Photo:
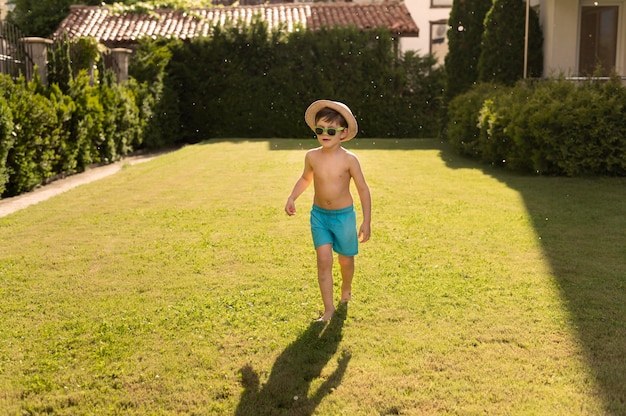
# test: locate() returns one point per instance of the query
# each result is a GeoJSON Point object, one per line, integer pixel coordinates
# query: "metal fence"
{"type": "Point", "coordinates": [15, 55]}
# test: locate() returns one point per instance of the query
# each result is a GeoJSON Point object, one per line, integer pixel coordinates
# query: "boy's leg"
{"type": "Point", "coordinates": [347, 273]}
{"type": "Point", "coordinates": [325, 278]}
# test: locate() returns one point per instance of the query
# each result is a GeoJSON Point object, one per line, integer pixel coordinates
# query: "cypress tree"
{"type": "Point", "coordinates": [465, 30]}
{"type": "Point", "coordinates": [502, 55]}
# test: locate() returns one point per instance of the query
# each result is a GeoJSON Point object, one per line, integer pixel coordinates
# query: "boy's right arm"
{"type": "Point", "coordinates": [300, 186]}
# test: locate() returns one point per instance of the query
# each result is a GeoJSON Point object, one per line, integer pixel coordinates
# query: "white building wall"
{"type": "Point", "coordinates": [428, 16]}
{"type": "Point", "coordinates": [560, 21]}
{"type": "Point", "coordinates": [424, 14]}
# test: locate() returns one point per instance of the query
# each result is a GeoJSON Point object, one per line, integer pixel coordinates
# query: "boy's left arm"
{"type": "Point", "coordinates": [366, 200]}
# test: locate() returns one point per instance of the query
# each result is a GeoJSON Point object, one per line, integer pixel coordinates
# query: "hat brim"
{"type": "Point", "coordinates": [341, 108]}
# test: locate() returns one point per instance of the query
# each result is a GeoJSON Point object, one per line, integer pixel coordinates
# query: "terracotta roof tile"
{"type": "Point", "coordinates": [123, 29]}
{"type": "Point", "coordinates": [391, 15]}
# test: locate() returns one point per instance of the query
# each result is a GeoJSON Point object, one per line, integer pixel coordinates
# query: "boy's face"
{"type": "Point", "coordinates": [325, 139]}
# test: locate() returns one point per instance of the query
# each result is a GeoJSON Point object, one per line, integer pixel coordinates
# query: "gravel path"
{"type": "Point", "coordinates": [16, 203]}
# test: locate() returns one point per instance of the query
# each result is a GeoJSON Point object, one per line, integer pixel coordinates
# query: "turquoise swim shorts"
{"type": "Point", "coordinates": [336, 227]}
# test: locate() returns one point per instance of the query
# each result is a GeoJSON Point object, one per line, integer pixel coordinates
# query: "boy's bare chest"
{"type": "Point", "coordinates": [330, 170]}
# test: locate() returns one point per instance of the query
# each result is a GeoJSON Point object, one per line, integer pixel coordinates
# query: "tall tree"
{"type": "Point", "coordinates": [465, 30]}
{"type": "Point", "coordinates": [502, 55]}
{"type": "Point", "coordinates": [41, 17]}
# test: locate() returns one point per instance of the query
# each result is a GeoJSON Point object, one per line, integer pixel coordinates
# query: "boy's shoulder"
{"type": "Point", "coordinates": [314, 150]}
{"type": "Point", "coordinates": [340, 150]}
{"type": "Point", "coordinates": [318, 158]}
{"type": "Point", "coordinates": [348, 152]}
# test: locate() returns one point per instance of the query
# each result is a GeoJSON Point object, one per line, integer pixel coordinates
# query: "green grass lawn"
{"type": "Point", "coordinates": [179, 286]}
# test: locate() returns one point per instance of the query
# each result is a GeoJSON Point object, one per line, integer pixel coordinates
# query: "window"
{"type": "Point", "coordinates": [439, 40]}
{"type": "Point", "coordinates": [598, 40]}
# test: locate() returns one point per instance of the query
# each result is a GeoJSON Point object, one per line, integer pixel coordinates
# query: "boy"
{"type": "Point", "coordinates": [333, 218]}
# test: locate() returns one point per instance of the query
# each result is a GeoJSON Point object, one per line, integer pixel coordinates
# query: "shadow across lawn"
{"type": "Point", "coordinates": [287, 388]}
{"type": "Point", "coordinates": [582, 226]}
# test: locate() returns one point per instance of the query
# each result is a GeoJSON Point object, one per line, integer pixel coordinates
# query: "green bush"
{"type": "Point", "coordinates": [67, 58]}
{"type": "Point", "coordinates": [101, 118]}
{"type": "Point", "coordinates": [580, 130]}
{"type": "Point", "coordinates": [7, 139]}
{"type": "Point", "coordinates": [45, 133]}
{"type": "Point", "coordinates": [121, 128]}
{"type": "Point", "coordinates": [462, 130]}
{"type": "Point", "coordinates": [78, 120]}
{"type": "Point", "coordinates": [157, 102]}
{"type": "Point", "coordinates": [86, 128]}
{"type": "Point", "coordinates": [551, 128]}
{"type": "Point", "coordinates": [33, 156]}
{"type": "Point", "coordinates": [65, 108]}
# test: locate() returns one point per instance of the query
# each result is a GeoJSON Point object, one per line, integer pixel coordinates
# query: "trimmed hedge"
{"type": "Point", "coordinates": [32, 155]}
{"type": "Point", "coordinates": [248, 82]}
{"type": "Point", "coordinates": [79, 120]}
{"type": "Point", "coordinates": [45, 133]}
{"type": "Point", "coordinates": [552, 128]}
{"type": "Point", "coordinates": [7, 139]}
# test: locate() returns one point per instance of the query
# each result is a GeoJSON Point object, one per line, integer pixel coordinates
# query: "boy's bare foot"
{"type": "Point", "coordinates": [326, 317]}
{"type": "Point", "coordinates": [346, 297]}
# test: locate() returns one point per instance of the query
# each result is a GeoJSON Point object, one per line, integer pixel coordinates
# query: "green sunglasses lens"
{"type": "Point", "coordinates": [331, 131]}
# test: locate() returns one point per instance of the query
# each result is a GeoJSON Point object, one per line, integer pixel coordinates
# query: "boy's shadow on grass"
{"type": "Point", "coordinates": [287, 388]}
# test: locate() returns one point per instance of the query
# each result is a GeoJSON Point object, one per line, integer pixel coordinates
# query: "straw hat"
{"type": "Point", "coordinates": [341, 108]}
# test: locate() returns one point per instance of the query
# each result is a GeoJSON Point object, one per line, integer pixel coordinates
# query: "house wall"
{"type": "Point", "coordinates": [425, 12]}
{"type": "Point", "coordinates": [560, 21]}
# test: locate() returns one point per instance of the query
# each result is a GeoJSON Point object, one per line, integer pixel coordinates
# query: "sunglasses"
{"type": "Point", "coordinates": [331, 131]}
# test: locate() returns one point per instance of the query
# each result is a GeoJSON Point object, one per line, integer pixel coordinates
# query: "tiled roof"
{"type": "Point", "coordinates": [123, 29]}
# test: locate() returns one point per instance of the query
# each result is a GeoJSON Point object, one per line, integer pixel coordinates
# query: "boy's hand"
{"type": "Point", "coordinates": [290, 208]}
{"type": "Point", "coordinates": [364, 232]}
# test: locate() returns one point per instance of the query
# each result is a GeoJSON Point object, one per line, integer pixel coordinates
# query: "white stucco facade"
{"type": "Point", "coordinates": [561, 24]}
{"type": "Point", "coordinates": [431, 18]}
